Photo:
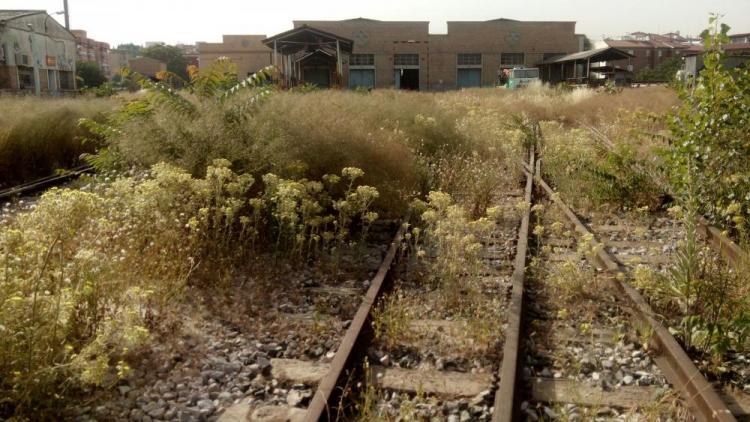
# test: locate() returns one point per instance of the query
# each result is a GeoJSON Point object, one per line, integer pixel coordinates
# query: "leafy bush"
{"type": "Point", "coordinates": [84, 269]}
{"type": "Point", "coordinates": [189, 128]}
{"type": "Point", "coordinates": [86, 274]}
{"type": "Point", "coordinates": [89, 74]}
{"type": "Point", "coordinates": [664, 72]}
{"type": "Point", "coordinates": [709, 137]}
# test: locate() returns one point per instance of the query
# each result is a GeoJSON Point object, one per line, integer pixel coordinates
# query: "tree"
{"type": "Point", "coordinates": [587, 44]}
{"type": "Point", "coordinates": [132, 49]}
{"type": "Point", "coordinates": [710, 140]}
{"type": "Point", "coordinates": [89, 74]}
{"type": "Point", "coordinates": [171, 55]}
{"type": "Point", "coordinates": [664, 72]}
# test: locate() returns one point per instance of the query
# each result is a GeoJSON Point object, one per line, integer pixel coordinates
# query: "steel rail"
{"type": "Point", "coordinates": [44, 181]}
{"type": "Point", "coordinates": [731, 252]}
{"type": "Point", "coordinates": [353, 344]}
{"type": "Point", "coordinates": [506, 400]}
{"type": "Point", "coordinates": [677, 366]}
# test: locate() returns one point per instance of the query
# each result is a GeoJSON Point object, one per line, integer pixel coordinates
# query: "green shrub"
{"type": "Point", "coordinates": [710, 138]}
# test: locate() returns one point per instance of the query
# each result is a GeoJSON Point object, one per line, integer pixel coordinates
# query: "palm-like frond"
{"type": "Point", "coordinates": [259, 79]}
{"type": "Point", "coordinates": [217, 79]}
{"type": "Point", "coordinates": [168, 97]}
{"type": "Point", "coordinates": [161, 94]}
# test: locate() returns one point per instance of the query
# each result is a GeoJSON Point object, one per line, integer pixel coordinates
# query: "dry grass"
{"type": "Point", "coordinates": [572, 107]}
{"type": "Point", "coordinates": [39, 136]}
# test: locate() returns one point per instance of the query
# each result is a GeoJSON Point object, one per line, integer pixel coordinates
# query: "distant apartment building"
{"type": "Point", "coordinates": [90, 50]}
{"type": "Point", "coordinates": [649, 50]}
{"type": "Point", "coordinates": [402, 54]}
{"type": "Point", "coordinates": [739, 38]}
{"type": "Point", "coordinates": [37, 54]}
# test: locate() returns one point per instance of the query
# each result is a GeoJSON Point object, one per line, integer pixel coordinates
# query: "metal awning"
{"type": "Point", "coordinates": [597, 55]}
{"type": "Point", "coordinates": [307, 38]}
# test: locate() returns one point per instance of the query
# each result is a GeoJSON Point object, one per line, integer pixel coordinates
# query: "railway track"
{"type": "Point", "coordinates": [638, 368]}
{"type": "Point", "coordinates": [615, 258]}
{"type": "Point", "coordinates": [43, 183]}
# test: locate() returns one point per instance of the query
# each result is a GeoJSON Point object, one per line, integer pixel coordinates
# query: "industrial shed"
{"type": "Point", "coordinates": [577, 68]}
{"type": "Point", "coordinates": [309, 55]}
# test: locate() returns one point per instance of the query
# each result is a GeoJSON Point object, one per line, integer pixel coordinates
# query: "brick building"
{"type": "Point", "coordinates": [648, 50]}
{"type": "Point", "coordinates": [147, 66]}
{"type": "Point", "coordinates": [90, 50]}
{"type": "Point", "coordinates": [245, 51]}
{"type": "Point", "coordinates": [37, 54]}
{"type": "Point", "coordinates": [402, 54]}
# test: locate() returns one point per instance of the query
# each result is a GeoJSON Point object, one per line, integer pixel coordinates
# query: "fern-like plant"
{"type": "Point", "coordinates": [188, 127]}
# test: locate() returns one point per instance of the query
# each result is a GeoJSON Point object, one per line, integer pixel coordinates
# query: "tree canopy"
{"type": "Point", "coordinates": [89, 74]}
{"type": "Point", "coordinates": [131, 48]}
{"type": "Point", "coordinates": [664, 72]}
{"type": "Point", "coordinates": [171, 55]}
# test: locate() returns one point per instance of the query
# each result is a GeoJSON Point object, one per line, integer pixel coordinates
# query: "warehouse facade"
{"type": "Point", "coordinates": [399, 54]}
{"type": "Point", "coordinates": [37, 54]}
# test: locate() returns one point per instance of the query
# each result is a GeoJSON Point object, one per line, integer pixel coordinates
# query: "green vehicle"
{"type": "Point", "coordinates": [520, 77]}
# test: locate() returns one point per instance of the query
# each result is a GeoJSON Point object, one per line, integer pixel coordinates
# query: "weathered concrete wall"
{"type": "Point", "coordinates": [37, 41]}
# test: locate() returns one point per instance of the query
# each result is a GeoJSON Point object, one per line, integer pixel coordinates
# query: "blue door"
{"type": "Point", "coordinates": [362, 78]}
{"type": "Point", "coordinates": [469, 78]}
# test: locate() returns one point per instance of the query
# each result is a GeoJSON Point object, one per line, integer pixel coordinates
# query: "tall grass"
{"type": "Point", "coordinates": [41, 135]}
{"type": "Point", "coordinates": [395, 137]}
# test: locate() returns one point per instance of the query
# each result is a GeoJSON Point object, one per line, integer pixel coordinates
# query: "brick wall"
{"type": "Point", "coordinates": [437, 53]}
{"type": "Point", "coordinates": [245, 51]}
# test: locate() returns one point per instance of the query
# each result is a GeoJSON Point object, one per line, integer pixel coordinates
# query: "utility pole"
{"type": "Point", "coordinates": [67, 15]}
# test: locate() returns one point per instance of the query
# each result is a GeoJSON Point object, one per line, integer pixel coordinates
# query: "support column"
{"type": "Point", "coordinates": [339, 69]}
{"type": "Point", "coordinates": [37, 82]}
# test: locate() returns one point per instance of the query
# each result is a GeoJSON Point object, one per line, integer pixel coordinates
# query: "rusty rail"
{"type": "Point", "coordinates": [506, 401]}
{"type": "Point", "coordinates": [679, 370]}
{"type": "Point", "coordinates": [353, 344]}
{"type": "Point", "coordinates": [38, 184]}
{"type": "Point", "coordinates": [731, 252]}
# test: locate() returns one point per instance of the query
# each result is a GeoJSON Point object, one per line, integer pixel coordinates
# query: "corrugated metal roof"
{"type": "Point", "coordinates": [655, 42]}
{"type": "Point", "coordinates": [628, 44]}
{"type": "Point", "coordinates": [739, 47]}
{"type": "Point", "coordinates": [6, 15]}
{"type": "Point", "coordinates": [598, 54]}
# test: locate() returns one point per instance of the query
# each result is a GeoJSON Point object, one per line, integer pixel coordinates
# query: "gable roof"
{"type": "Point", "coordinates": [733, 49]}
{"type": "Point", "coordinates": [301, 38]}
{"type": "Point", "coordinates": [595, 55]}
{"type": "Point", "coordinates": [9, 15]}
{"type": "Point", "coordinates": [655, 42]}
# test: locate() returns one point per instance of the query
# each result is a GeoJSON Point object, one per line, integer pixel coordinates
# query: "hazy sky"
{"type": "Point", "coordinates": [188, 21]}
